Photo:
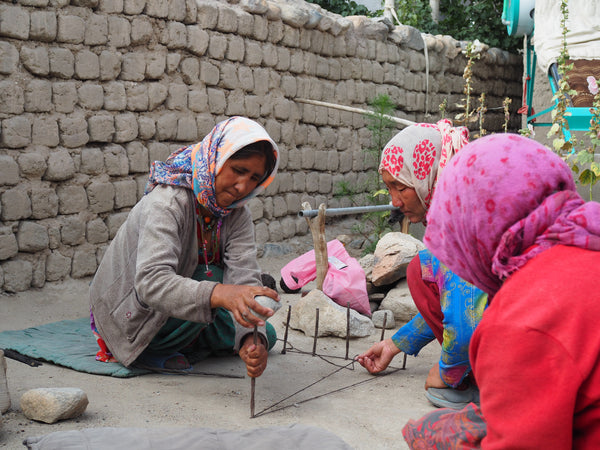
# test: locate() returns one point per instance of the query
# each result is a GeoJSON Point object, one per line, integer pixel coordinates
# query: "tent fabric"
{"type": "Point", "coordinates": [296, 436]}
{"type": "Point", "coordinates": [583, 25]}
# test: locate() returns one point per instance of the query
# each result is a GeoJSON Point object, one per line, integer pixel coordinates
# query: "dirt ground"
{"type": "Point", "coordinates": [367, 412]}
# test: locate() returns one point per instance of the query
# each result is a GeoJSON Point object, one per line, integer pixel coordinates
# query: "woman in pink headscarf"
{"type": "Point", "coordinates": [449, 307]}
{"type": "Point", "coordinates": [507, 217]}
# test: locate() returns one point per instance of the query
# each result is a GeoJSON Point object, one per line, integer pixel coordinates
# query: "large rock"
{"type": "Point", "coordinates": [392, 255]}
{"type": "Point", "coordinates": [400, 302]}
{"type": "Point", "coordinates": [332, 317]}
{"type": "Point", "coordinates": [53, 404]}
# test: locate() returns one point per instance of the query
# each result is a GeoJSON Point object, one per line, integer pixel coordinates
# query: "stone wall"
{"type": "Point", "coordinates": [92, 91]}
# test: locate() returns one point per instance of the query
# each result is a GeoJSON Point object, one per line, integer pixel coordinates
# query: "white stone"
{"type": "Point", "coordinates": [50, 405]}
{"type": "Point", "coordinates": [393, 253]}
{"type": "Point", "coordinates": [400, 302]}
{"type": "Point", "coordinates": [267, 302]}
{"type": "Point", "coordinates": [332, 317]}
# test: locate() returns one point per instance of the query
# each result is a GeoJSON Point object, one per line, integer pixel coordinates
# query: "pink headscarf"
{"type": "Point", "coordinates": [502, 200]}
{"type": "Point", "coordinates": [417, 155]}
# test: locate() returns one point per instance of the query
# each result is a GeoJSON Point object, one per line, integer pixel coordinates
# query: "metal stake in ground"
{"type": "Point", "coordinates": [347, 328]}
{"type": "Point", "coordinates": [287, 327]}
{"type": "Point", "coordinates": [316, 332]}
{"type": "Point", "coordinates": [253, 379]}
{"type": "Point", "coordinates": [384, 324]}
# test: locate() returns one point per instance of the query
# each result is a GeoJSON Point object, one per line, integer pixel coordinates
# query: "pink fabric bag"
{"type": "Point", "coordinates": [345, 280]}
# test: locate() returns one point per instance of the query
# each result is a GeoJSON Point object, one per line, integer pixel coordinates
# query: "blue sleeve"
{"type": "Point", "coordinates": [413, 336]}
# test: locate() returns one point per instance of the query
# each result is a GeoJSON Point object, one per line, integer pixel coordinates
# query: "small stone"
{"type": "Point", "coordinates": [50, 405]}
{"type": "Point", "coordinates": [378, 317]}
{"type": "Point", "coordinates": [376, 297]}
{"type": "Point", "coordinates": [267, 302]}
{"type": "Point", "coordinates": [400, 302]}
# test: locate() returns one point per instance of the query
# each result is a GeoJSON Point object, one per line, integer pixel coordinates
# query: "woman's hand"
{"type": "Point", "coordinates": [240, 299]}
{"type": "Point", "coordinates": [434, 379]}
{"type": "Point", "coordinates": [255, 356]}
{"type": "Point", "coordinates": [379, 356]}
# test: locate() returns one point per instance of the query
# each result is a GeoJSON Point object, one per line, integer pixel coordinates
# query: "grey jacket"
{"type": "Point", "coordinates": [144, 276]}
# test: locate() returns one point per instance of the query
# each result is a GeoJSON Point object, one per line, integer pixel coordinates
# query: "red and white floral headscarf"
{"type": "Point", "coordinates": [417, 155]}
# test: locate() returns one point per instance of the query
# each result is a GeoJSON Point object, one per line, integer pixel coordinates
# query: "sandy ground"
{"type": "Point", "coordinates": [369, 415]}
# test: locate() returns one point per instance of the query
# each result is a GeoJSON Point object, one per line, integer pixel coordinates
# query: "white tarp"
{"type": "Point", "coordinates": [583, 25]}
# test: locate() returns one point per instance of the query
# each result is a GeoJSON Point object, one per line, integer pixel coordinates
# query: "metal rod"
{"type": "Point", "coordinates": [346, 211]}
{"type": "Point", "coordinates": [12, 354]}
{"type": "Point", "coordinates": [316, 333]}
{"type": "Point", "coordinates": [347, 328]}
{"type": "Point", "coordinates": [384, 324]}
{"type": "Point", "coordinates": [395, 119]}
{"type": "Point", "coordinates": [253, 379]}
{"type": "Point", "coordinates": [287, 327]}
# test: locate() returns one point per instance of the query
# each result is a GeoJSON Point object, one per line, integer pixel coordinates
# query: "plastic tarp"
{"type": "Point", "coordinates": [583, 25]}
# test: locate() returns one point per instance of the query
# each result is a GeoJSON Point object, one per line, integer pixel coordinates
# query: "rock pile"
{"type": "Point", "coordinates": [385, 273]}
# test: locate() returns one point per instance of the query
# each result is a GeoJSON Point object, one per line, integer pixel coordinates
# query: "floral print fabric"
{"type": "Point", "coordinates": [196, 166]}
{"type": "Point", "coordinates": [462, 306]}
{"type": "Point", "coordinates": [446, 429]}
{"type": "Point", "coordinates": [502, 200]}
{"type": "Point", "coordinates": [416, 155]}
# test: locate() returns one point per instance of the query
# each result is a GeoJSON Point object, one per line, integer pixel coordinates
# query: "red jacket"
{"type": "Point", "coordinates": [536, 355]}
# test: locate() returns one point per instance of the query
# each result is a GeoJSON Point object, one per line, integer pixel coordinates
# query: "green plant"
{"type": "Point", "coordinates": [373, 224]}
{"type": "Point", "coordinates": [591, 174]}
{"type": "Point", "coordinates": [481, 110]}
{"type": "Point", "coordinates": [585, 169]}
{"type": "Point", "coordinates": [344, 7]}
{"type": "Point", "coordinates": [443, 108]}
{"type": "Point", "coordinates": [559, 114]}
{"type": "Point", "coordinates": [463, 20]}
{"type": "Point", "coordinates": [506, 107]}
{"type": "Point", "coordinates": [472, 53]}
{"type": "Point", "coordinates": [416, 13]}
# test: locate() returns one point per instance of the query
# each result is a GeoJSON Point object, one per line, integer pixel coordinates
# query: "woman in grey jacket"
{"type": "Point", "coordinates": [178, 281]}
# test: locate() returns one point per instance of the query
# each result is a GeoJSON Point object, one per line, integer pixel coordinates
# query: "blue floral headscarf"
{"type": "Point", "coordinates": [196, 166]}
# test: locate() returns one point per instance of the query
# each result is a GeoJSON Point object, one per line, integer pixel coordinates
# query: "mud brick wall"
{"type": "Point", "coordinates": [93, 91]}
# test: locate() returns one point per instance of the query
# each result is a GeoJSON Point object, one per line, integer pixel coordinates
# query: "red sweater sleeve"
{"type": "Point", "coordinates": [535, 355]}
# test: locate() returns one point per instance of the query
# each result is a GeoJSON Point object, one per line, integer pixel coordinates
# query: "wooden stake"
{"type": "Point", "coordinates": [405, 224]}
{"type": "Point", "coordinates": [317, 229]}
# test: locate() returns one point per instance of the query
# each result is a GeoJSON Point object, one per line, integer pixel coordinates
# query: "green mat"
{"type": "Point", "coordinates": [68, 343]}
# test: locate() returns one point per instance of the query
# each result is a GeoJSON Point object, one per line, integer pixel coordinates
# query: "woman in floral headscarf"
{"type": "Point", "coordinates": [179, 279]}
{"type": "Point", "coordinates": [449, 307]}
{"type": "Point", "coordinates": [507, 217]}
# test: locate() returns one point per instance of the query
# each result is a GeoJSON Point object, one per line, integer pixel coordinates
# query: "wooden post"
{"type": "Point", "coordinates": [317, 229]}
{"type": "Point", "coordinates": [405, 224]}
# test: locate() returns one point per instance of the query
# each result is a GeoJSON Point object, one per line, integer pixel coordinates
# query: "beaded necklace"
{"type": "Point", "coordinates": [209, 237]}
